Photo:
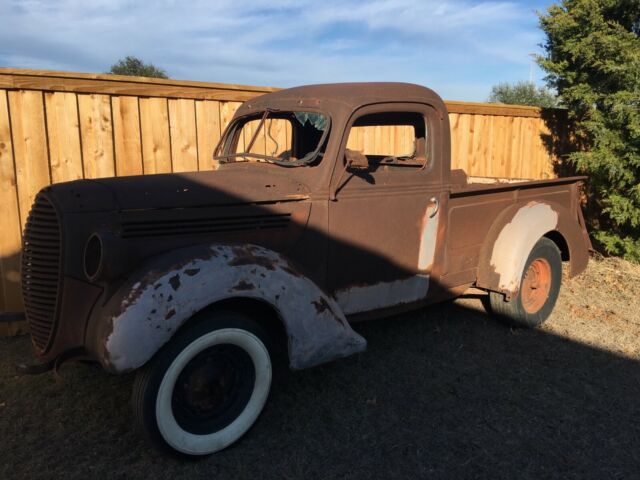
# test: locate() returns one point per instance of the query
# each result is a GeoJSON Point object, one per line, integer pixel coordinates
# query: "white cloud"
{"type": "Point", "coordinates": [459, 47]}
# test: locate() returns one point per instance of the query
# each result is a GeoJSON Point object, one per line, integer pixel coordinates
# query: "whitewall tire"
{"type": "Point", "coordinates": [206, 388]}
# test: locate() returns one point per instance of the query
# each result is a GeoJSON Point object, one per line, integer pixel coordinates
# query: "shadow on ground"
{"type": "Point", "coordinates": [444, 392]}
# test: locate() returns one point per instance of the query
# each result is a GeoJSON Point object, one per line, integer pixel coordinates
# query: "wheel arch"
{"type": "Point", "coordinates": [263, 313]}
{"type": "Point", "coordinates": [514, 233]}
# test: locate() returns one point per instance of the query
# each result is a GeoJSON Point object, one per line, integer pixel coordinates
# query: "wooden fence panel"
{"type": "Point", "coordinates": [97, 135]}
{"type": "Point", "coordinates": [63, 129]}
{"type": "Point", "coordinates": [126, 136]}
{"type": "Point", "coordinates": [10, 237]}
{"type": "Point", "coordinates": [156, 144]}
{"type": "Point", "coordinates": [208, 126]}
{"type": "Point", "coordinates": [59, 126]}
{"type": "Point", "coordinates": [184, 142]}
{"type": "Point", "coordinates": [29, 146]}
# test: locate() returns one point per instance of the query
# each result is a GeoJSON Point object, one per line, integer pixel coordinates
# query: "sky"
{"type": "Point", "coordinates": [460, 48]}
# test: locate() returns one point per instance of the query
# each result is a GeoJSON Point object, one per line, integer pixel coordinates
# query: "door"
{"type": "Point", "coordinates": [383, 219]}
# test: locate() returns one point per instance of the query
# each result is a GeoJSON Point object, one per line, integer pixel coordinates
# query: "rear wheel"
{"type": "Point", "coordinates": [539, 288]}
{"type": "Point", "coordinates": [206, 388]}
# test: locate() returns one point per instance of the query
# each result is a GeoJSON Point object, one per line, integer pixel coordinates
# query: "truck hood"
{"type": "Point", "coordinates": [178, 190]}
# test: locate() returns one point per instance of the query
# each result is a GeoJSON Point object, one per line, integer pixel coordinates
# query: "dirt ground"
{"type": "Point", "coordinates": [445, 392]}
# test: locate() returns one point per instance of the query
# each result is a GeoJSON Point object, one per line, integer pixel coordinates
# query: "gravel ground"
{"type": "Point", "coordinates": [444, 392]}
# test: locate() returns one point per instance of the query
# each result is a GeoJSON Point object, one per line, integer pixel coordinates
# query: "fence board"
{"type": "Point", "coordinates": [97, 135]}
{"type": "Point", "coordinates": [184, 142]}
{"type": "Point", "coordinates": [156, 145]}
{"type": "Point", "coordinates": [29, 146]}
{"type": "Point", "coordinates": [276, 135]}
{"type": "Point", "coordinates": [208, 125]}
{"type": "Point", "coordinates": [10, 237]}
{"type": "Point", "coordinates": [126, 136]}
{"type": "Point", "coordinates": [63, 129]}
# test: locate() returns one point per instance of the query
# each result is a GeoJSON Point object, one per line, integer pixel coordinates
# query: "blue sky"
{"type": "Point", "coordinates": [458, 47]}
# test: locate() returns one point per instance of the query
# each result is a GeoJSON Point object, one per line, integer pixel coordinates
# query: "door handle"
{"type": "Point", "coordinates": [436, 206]}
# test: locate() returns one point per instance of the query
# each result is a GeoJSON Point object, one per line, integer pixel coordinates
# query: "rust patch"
{"type": "Point", "coordinates": [252, 260]}
{"type": "Point", "coordinates": [175, 281]}
{"type": "Point", "coordinates": [192, 271]}
{"type": "Point", "coordinates": [170, 314]}
{"type": "Point", "coordinates": [290, 270]}
{"type": "Point", "coordinates": [321, 305]}
{"type": "Point", "coordinates": [243, 285]}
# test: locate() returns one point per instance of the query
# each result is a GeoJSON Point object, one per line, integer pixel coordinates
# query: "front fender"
{"type": "Point", "coordinates": [152, 305]}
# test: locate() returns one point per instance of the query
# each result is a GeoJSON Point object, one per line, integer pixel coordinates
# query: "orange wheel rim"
{"type": "Point", "coordinates": [536, 285]}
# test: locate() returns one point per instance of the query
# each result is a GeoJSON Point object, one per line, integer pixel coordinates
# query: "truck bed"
{"type": "Point", "coordinates": [463, 185]}
{"type": "Point", "coordinates": [476, 202]}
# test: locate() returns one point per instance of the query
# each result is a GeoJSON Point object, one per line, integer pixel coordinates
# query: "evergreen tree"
{"type": "Point", "coordinates": [592, 58]}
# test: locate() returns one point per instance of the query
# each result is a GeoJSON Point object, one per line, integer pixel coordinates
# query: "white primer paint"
{"type": "Point", "coordinates": [428, 238]}
{"type": "Point", "coordinates": [383, 294]}
{"type": "Point", "coordinates": [154, 309]}
{"type": "Point", "coordinates": [516, 240]}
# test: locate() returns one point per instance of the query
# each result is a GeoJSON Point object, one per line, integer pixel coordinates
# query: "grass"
{"type": "Point", "coordinates": [444, 392]}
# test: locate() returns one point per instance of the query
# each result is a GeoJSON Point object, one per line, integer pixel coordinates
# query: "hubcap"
{"type": "Point", "coordinates": [536, 285]}
{"type": "Point", "coordinates": [213, 389]}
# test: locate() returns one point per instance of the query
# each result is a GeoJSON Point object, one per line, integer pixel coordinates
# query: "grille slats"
{"type": "Point", "coordinates": [41, 260]}
{"type": "Point", "coordinates": [156, 228]}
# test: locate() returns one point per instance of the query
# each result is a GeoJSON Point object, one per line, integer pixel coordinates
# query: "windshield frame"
{"type": "Point", "coordinates": [230, 137]}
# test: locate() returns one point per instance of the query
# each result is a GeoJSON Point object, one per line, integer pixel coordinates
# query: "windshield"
{"type": "Point", "coordinates": [286, 138]}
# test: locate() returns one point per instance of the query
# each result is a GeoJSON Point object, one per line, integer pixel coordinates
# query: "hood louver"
{"type": "Point", "coordinates": [156, 228]}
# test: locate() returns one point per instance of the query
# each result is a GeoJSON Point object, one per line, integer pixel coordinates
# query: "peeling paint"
{"type": "Point", "coordinates": [316, 326]}
{"type": "Point", "coordinates": [175, 281]}
{"type": "Point", "coordinates": [516, 240]}
{"type": "Point", "coordinates": [244, 285]}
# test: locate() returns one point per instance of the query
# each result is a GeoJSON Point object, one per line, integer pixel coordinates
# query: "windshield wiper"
{"type": "Point", "coordinates": [260, 158]}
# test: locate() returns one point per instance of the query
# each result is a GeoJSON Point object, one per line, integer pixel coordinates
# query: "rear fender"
{"type": "Point", "coordinates": [147, 311]}
{"type": "Point", "coordinates": [512, 237]}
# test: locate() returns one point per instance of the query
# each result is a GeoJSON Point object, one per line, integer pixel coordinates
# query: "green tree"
{"type": "Point", "coordinates": [135, 67]}
{"type": "Point", "coordinates": [592, 58]}
{"type": "Point", "coordinates": [523, 93]}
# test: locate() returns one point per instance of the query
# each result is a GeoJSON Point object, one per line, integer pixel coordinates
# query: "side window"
{"type": "Point", "coordinates": [390, 140]}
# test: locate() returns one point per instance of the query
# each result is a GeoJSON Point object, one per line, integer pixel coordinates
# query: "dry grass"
{"type": "Point", "coordinates": [444, 392]}
{"type": "Point", "coordinates": [601, 308]}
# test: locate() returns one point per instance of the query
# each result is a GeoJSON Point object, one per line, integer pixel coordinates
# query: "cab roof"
{"type": "Point", "coordinates": [343, 98]}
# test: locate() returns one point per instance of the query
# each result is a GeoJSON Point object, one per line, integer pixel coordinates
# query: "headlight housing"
{"type": "Point", "coordinates": [93, 256]}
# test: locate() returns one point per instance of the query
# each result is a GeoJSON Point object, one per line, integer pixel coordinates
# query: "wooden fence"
{"type": "Point", "coordinates": [59, 126]}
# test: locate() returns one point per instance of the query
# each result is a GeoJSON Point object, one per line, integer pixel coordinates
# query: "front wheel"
{"type": "Point", "coordinates": [206, 388]}
{"type": "Point", "coordinates": [539, 288]}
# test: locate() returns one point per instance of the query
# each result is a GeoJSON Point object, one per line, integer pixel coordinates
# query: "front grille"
{"type": "Point", "coordinates": [155, 228]}
{"type": "Point", "coordinates": [41, 259]}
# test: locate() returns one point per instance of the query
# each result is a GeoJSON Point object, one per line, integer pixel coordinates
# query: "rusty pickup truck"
{"type": "Point", "coordinates": [306, 223]}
